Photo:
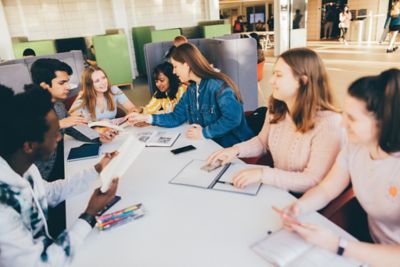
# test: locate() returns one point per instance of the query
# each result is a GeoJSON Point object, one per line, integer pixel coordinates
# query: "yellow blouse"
{"type": "Point", "coordinates": [164, 105]}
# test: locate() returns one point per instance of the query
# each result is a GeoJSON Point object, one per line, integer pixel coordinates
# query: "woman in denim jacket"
{"type": "Point", "coordinates": [211, 104]}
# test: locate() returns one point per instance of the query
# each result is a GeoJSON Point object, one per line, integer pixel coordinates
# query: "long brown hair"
{"type": "Point", "coordinates": [314, 93]}
{"type": "Point", "coordinates": [89, 94]}
{"type": "Point", "coordinates": [199, 65]}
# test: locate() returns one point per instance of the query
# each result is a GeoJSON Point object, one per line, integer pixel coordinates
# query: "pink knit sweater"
{"type": "Point", "coordinates": [301, 160]}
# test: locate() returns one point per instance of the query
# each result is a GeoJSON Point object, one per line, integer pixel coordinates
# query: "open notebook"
{"type": "Point", "coordinates": [127, 153]}
{"type": "Point", "coordinates": [284, 248]}
{"type": "Point", "coordinates": [219, 179]}
{"type": "Point", "coordinates": [158, 138]}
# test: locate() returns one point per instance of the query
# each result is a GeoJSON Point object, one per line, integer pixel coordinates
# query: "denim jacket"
{"type": "Point", "coordinates": [216, 109]}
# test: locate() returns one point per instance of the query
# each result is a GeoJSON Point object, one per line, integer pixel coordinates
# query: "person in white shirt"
{"type": "Point", "coordinates": [32, 134]}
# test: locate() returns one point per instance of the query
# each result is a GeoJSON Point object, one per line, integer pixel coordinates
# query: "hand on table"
{"type": "Point", "coordinates": [224, 156]}
{"type": "Point", "coordinates": [135, 118]}
{"type": "Point", "coordinates": [246, 177]}
{"type": "Point", "coordinates": [317, 235]}
{"type": "Point", "coordinates": [195, 132]}
{"type": "Point", "coordinates": [74, 119]}
{"type": "Point", "coordinates": [108, 135]}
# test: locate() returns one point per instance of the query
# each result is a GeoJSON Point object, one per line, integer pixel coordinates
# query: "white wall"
{"type": "Point", "coordinates": [50, 19]}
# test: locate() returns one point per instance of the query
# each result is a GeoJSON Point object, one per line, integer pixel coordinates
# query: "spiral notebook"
{"type": "Point", "coordinates": [194, 174]}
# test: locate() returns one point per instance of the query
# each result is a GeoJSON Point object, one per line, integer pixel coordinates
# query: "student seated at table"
{"type": "Point", "coordinates": [32, 134]}
{"type": "Point", "coordinates": [98, 100]}
{"type": "Point", "coordinates": [168, 91]}
{"type": "Point", "coordinates": [301, 129]}
{"type": "Point", "coordinates": [371, 163]}
{"type": "Point", "coordinates": [52, 75]}
{"type": "Point", "coordinates": [212, 102]}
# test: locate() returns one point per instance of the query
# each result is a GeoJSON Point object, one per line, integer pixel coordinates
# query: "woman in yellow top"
{"type": "Point", "coordinates": [168, 93]}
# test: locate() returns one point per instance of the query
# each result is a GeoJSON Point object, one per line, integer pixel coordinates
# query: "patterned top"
{"type": "Point", "coordinates": [164, 105]}
{"type": "Point", "coordinates": [301, 160]}
{"type": "Point", "coordinates": [24, 238]}
{"type": "Point", "coordinates": [376, 184]}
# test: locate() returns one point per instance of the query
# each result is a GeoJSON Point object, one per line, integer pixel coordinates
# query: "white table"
{"type": "Point", "coordinates": [183, 226]}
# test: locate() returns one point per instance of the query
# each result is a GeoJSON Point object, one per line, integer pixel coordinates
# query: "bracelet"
{"type": "Point", "coordinates": [90, 219]}
{"type": "Point", "coordinates": [342, 246]}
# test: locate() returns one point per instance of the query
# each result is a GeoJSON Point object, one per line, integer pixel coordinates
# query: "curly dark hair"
{"type": "Point", "coordinates": [24, 115]}
{"type": "Point", "coordinates": [167, 69]}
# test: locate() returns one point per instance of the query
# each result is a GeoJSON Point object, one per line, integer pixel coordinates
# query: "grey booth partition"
{"type": "Point", "coordinates": [235, 57]}
{"type": "Point", "coordinates": [16, 73]}
{"type": "Point", "coordinates": [15, 76]}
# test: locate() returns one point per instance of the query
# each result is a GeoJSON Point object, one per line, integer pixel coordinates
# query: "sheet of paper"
{"type": "Point", "coordinates": [227, 178]}
{"type": "Point", "coordinates": [162, 138]}
{"type": "Point", "coordinates": [193, 175]}
{"type": "Point", "coordinates": [128, 152]}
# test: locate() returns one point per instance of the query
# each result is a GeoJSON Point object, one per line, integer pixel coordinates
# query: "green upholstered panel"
{"type": "Point", "coordinates": [216, 30]}
{"type": "Point", "coordinates": [212, 22]}
{"type": "Point", "coordinates": [192, 32]}
{"type": "Point", "coordinates": [41, 48]}
{"type": "Point", "coordinates": [164, 35]}
{"type": "Point", "coordinates": [112, 55]}
{"type": "Point", "coordinates": [141, 36]}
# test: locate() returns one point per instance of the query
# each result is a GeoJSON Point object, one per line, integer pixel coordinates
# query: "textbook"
{"type": "Point", "coordinates": [158, 138]}
{"type": "Point", "coordinates": [116, 124]}
{"type": "Point", "coordinates": [85, 151]}
{"type": "Point", "coordinates": [195, 174]}
{"type": "Point", "coordinates": [85, 133]}
{"type": "Point", "coordinates": [284, 248]}
{"type": "Point", "coordinates": [127, 153]}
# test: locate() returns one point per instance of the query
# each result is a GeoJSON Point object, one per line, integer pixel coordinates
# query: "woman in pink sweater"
{"type": "Point", "coordinates": [301, 130]}
{"type": "Point", "coordinates": [371, 162]}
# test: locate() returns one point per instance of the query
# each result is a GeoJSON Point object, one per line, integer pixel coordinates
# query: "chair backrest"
{"type": "Point", "coordinates": [15, 76]}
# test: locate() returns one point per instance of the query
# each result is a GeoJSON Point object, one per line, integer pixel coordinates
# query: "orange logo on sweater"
{"type": "Point", "coordinates": [393, 191]}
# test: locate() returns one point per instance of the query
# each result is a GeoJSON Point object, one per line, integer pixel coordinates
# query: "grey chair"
{"type": "Point", "coordinates": [15, 76]}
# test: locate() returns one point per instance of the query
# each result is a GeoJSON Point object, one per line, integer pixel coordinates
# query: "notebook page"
{"type": "Point", "coordinates": [193, 175]}
{"type": "Point", "coordinates": [316, 257]}
{"type": "Point", "coordinates": [164, 138]}
{"type": "Point", "coordinates": [228, 175]}
{"type": "Point", "coordinates": [127, 153]}
{"type": "Point", "coordinates": [281, 247]}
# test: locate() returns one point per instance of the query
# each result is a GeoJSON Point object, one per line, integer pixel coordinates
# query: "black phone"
{"type": "Point", "coordinates": [109, 205]}
{"type": "Point", "coordinates": [182, 149]}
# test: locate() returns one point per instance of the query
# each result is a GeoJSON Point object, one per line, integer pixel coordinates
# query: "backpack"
{"type": "Point", "coordinates": [237, 27]}
{"type": "Point", "coordinates": [255, 120]}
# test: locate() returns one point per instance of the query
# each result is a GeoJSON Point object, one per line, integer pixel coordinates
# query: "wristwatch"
{"type": "Point", "coordinates": [90, 219]}
{"type": "Point", "coordinates": [342, 246]}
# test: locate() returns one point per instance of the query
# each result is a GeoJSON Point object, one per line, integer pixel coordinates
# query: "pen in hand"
{"type": "Point", "coordinates": [286, 216]}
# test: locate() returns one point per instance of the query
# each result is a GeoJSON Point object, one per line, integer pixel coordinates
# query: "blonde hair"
{"type": "Point", "coordinates": [314, 93]}
{"type": "Point", "coordinates": [88, 95]}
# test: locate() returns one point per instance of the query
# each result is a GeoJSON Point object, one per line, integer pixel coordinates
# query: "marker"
{"type": "Point", "coordinates": [116, 213]}
{"type": "Point", "coordinates": [118, 217]}
{"type": "Point", "coordinates": [123, 221]}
